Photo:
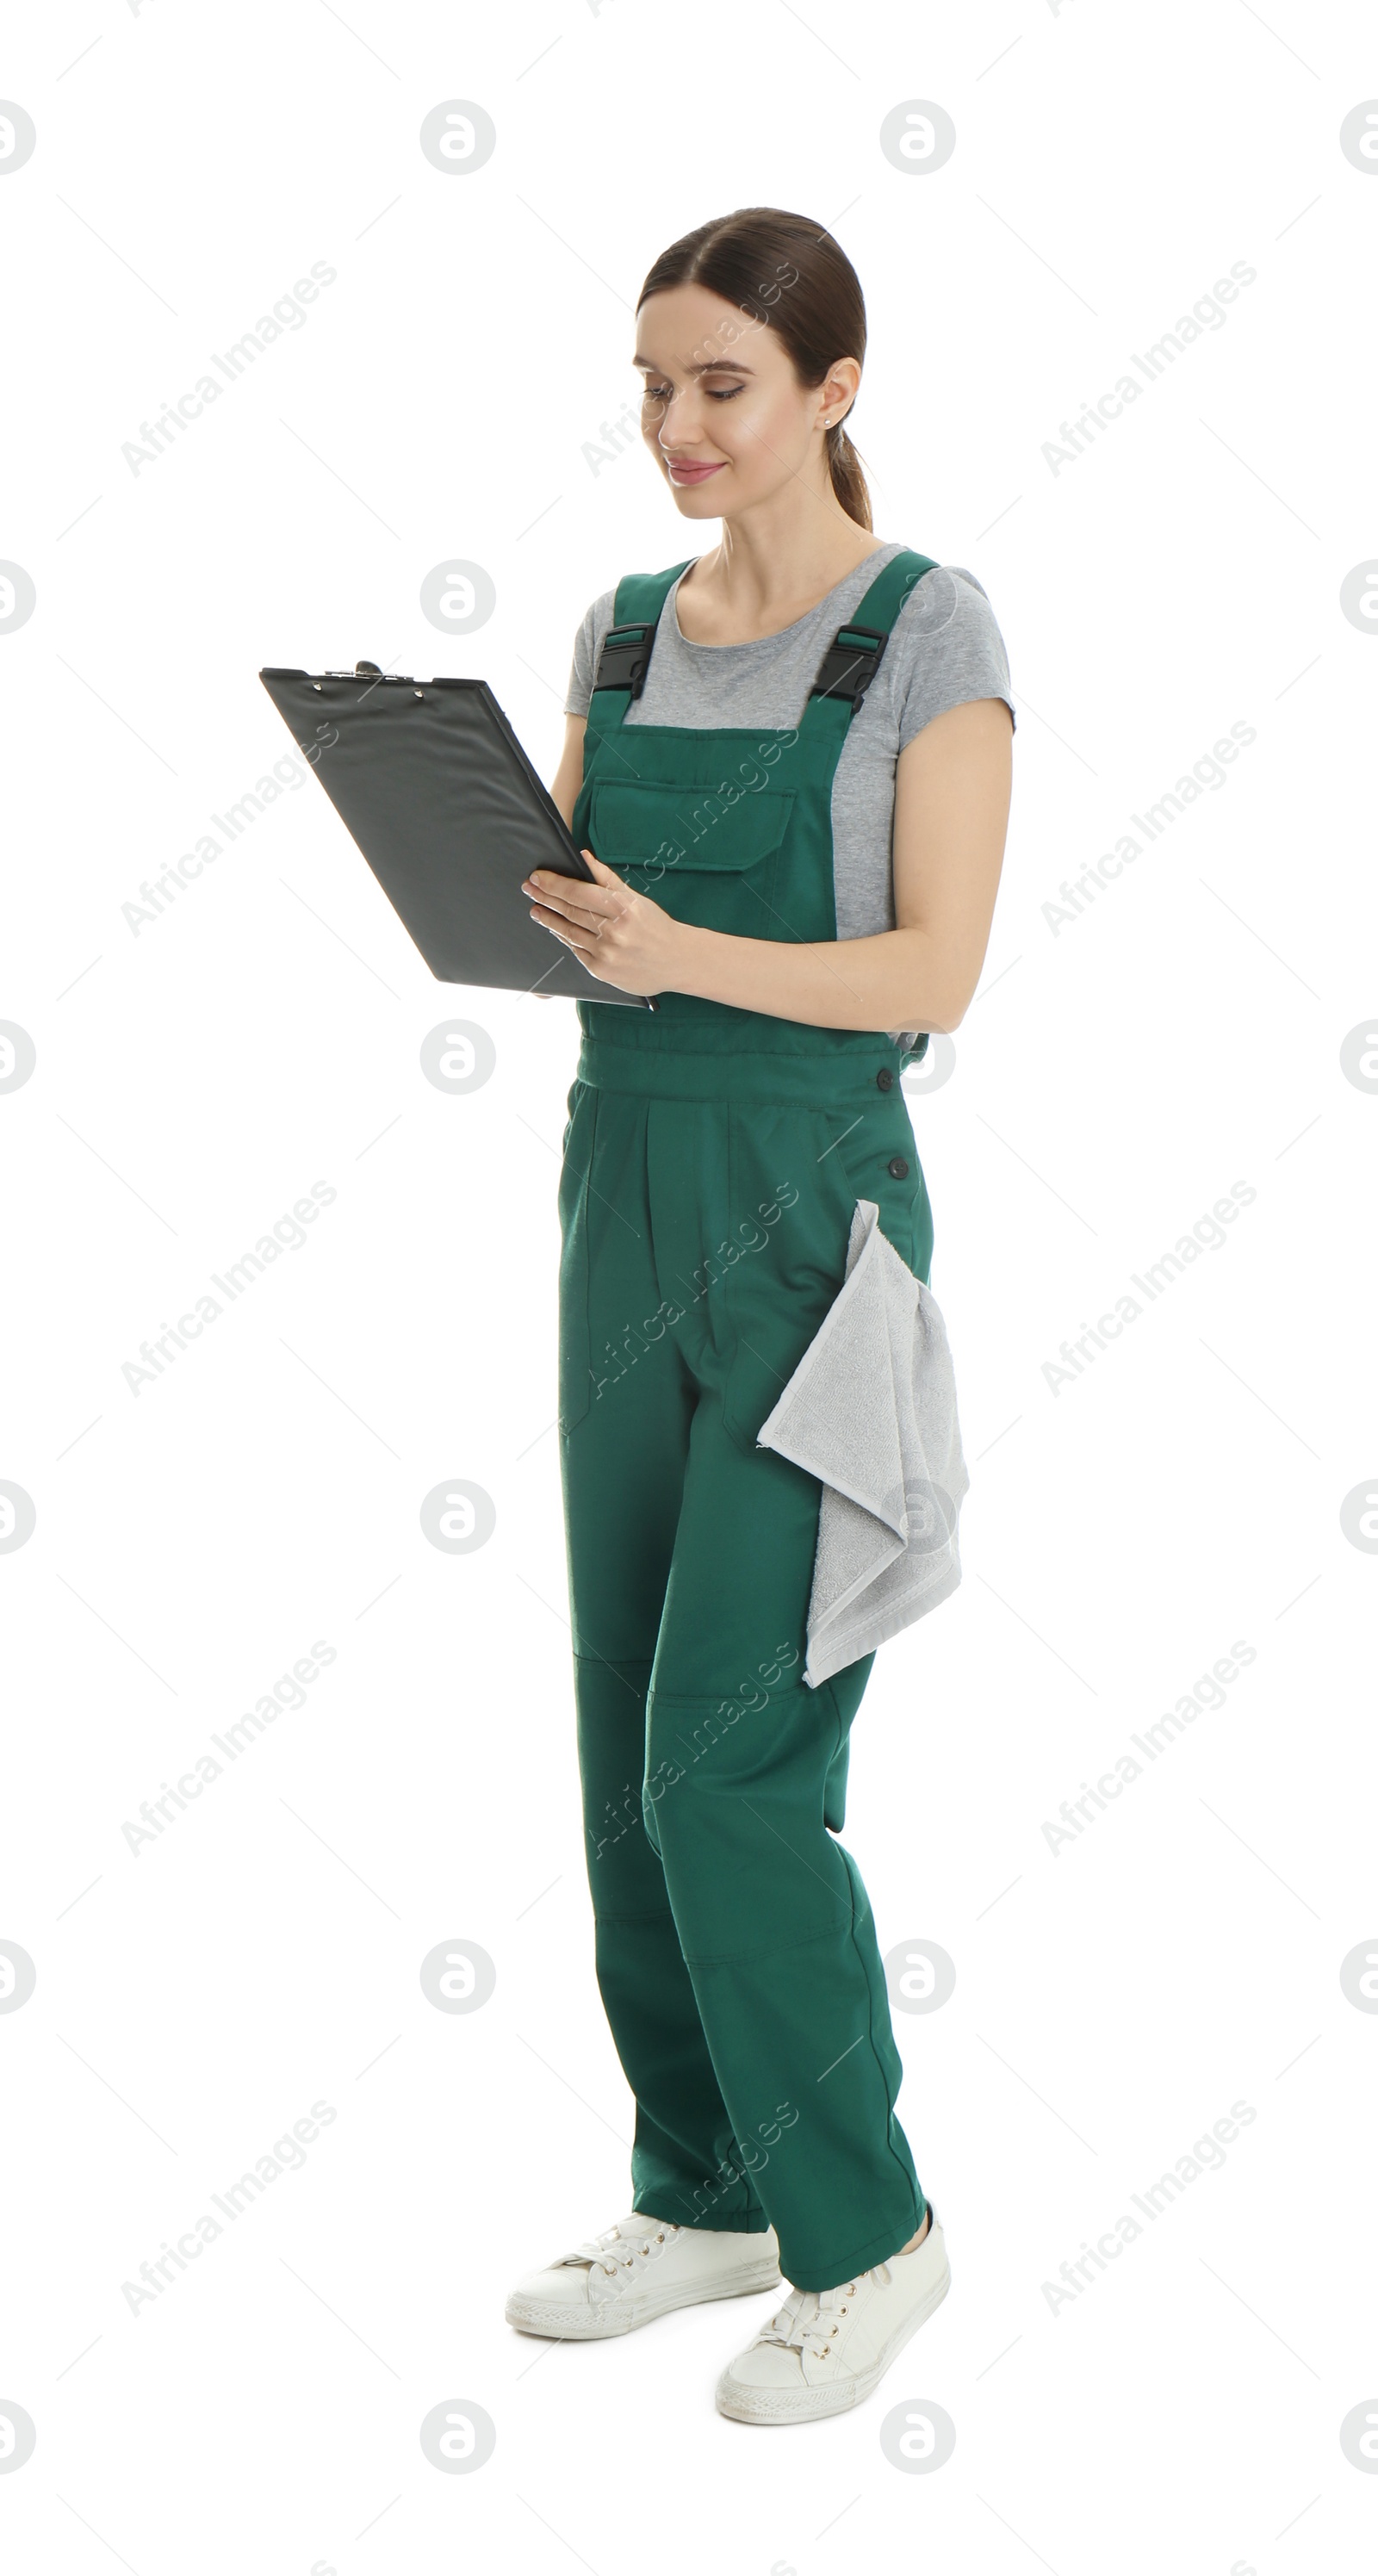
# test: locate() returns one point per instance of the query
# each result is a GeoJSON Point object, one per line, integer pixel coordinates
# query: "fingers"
{"type": "Point", "coordinates": [583, 941]}
{"type": "Point", "coordinates": [579, 914]}
{"type": "Point", "coordinates": [588, 907]}
{"type": "Point", "coordinates": [585, 917]}
{"type": "Point", "coordinates": [570, 895]}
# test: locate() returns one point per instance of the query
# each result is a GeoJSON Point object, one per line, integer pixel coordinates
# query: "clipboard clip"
{"type": "Point", "coordinates": [369, 671]}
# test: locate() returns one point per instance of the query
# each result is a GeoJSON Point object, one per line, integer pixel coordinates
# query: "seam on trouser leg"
{"type": "Point", "coordinates": [890, 2098]}
{"type": "Point", "coordinates": [656, 1914]}
{"type": "Point", "coordinates": [705, 1699]}
{"type": "Point", "coordinates": [730, 1958]}
{"type": "Point", "coordinates": [706, 1707]}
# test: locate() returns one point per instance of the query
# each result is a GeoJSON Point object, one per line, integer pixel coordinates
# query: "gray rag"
{"type": "Point", "coordinates": [872, 1411]}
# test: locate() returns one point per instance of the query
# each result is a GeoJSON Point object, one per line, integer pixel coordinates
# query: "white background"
{"type": "Point", "coordinates": [1111, 1081]}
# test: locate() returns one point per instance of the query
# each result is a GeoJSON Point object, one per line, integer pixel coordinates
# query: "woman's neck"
{"type": "Point", "coordinates": [770, 567]}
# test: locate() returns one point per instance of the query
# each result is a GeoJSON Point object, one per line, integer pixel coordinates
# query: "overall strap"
{"type": "Point", "coordinates": [626, 654]}
{"type": "Point", "coordinates": [854, 655]}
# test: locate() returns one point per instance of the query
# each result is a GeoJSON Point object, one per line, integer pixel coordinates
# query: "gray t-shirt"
{"type": "Point", "coordinates": [944, 650]}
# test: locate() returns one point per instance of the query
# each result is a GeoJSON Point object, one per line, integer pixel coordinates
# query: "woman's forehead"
{"type": "Point", "coordinates": [695, 330]}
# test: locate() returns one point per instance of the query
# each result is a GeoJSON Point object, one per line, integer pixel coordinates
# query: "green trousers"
{"type": "Point", "coordinates": [705, 1203]}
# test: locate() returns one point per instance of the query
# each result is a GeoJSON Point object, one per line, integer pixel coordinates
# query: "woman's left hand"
{"type": "Point", "coordinates": [621, 937]}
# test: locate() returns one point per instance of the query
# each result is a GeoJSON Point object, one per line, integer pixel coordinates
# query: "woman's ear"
{"type": "Point", "coordinates": [838, 391]}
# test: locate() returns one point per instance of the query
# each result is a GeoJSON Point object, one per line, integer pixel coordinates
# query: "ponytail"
{"type": "Point", "coordinates": [848, 481]}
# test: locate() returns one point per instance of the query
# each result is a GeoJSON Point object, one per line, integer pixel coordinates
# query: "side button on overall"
{"type": "Point", "coordinates": [885, 1080]}
{"type": "Point", "coordinates": [897, 1168]}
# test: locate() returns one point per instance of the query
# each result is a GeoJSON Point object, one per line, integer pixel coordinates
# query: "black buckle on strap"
{"type": "Point", "coordinates": [850, 663]}
{"type": "Point", "coordinates": [625, 658]}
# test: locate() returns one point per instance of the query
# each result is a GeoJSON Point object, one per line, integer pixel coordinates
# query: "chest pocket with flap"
{"type": "Point", "coordinates": [702, 858]}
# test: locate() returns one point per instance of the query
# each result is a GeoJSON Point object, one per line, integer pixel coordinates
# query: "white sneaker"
{"type": "Point", "coordinates": [638, 2270]}
{"type": "Point", "coordinates": [824, 2351]}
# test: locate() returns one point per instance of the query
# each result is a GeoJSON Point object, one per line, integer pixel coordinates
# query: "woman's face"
{"type": "Point", "coordinates": [723, 412]}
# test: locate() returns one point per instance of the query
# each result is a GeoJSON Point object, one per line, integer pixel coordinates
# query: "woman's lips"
{"type": "Point", "coordinates": [691, 473]}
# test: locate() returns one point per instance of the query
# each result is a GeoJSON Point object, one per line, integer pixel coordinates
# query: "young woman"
{"type": "Point", "coordinates": [789, 759]}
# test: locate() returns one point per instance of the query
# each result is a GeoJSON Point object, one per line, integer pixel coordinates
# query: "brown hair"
{"type": "Point", "coordinates": [782, 269]}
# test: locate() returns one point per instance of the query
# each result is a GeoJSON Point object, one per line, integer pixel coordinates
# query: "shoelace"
{"type": "Point", "coordinates": [810, 2316]}
{"type": "Point", "coordinates": [596, 2249]}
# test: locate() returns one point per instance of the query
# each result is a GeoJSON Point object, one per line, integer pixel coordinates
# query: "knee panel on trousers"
{"type": "Point", "coordinates": [734, 1801]}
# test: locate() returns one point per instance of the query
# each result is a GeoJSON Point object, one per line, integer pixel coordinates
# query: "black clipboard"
{"type": "Point", "coordinates": [434, 788]}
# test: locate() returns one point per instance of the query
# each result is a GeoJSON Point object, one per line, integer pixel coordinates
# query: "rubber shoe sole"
{"type": "Point", "coordinates": [748, 2405]}
{"type": "Point", "coordinates": [595, 2325]}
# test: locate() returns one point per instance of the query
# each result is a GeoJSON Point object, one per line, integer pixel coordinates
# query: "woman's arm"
{"type": "Point", "coordinates": [952, 798]}
{"type": "Point", "coordinates": [569, 777]}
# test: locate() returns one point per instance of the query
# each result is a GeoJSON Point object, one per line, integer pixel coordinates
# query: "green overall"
{"type": "Point", "coordinates": [712, 1164]}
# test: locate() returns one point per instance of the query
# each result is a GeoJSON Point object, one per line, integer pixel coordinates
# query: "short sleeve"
{"type": "Point", "coordinates": [587, 646]}
{"type": "Point", "coordinates": [950, 650]}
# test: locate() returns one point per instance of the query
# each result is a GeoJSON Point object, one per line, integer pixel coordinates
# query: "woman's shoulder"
{"type": "Point", "coordinates": [950, 588]}
{"type": "Point", "coordinates": [946, 600]}
{"type": "Point", "coordinates": [599, 612]}
{"type": "Point", "coordinates": [596, 621]}
{"type": "Point", "coordinates": [588, 643]}
{"type": "Point", "coordinates": [945, 648]}
{"type": "Point", "coordinates": [942, 600]}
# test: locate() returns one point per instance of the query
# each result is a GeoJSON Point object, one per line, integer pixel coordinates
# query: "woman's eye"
{"type": "Point", "coordinates": [661, 393]}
